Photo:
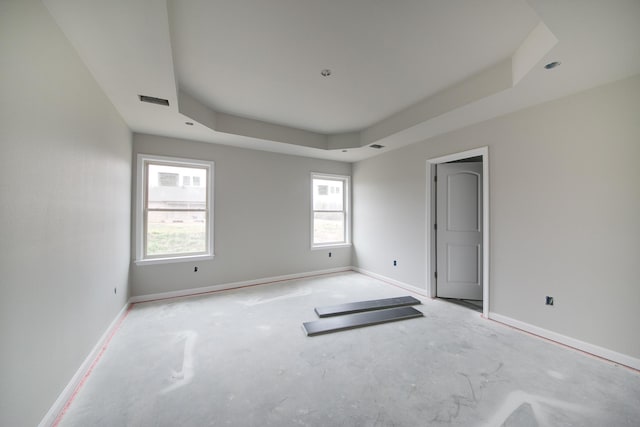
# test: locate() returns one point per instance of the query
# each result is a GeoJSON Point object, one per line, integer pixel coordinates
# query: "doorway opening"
{"type": "Point", "coordinates": [462, 255]}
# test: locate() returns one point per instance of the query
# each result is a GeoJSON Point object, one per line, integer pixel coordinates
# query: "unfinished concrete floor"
{"type": "Point", "coordinates": [240, 358]}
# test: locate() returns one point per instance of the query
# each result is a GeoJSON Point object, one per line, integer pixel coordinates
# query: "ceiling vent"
{"type": "Point", "coordinates": [552, 65]}
{"type": "Point", "coordinates": [153, 100]}
{"type": "Point", "coordinates": [376, 146]}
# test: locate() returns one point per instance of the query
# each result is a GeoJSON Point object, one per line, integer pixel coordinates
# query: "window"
{"type": "Point", "coordinates": [167, 179]}
{"type": "Point", "coordinates": [173, 222]}
{"type": "Point", "coordinates": [330, 210]}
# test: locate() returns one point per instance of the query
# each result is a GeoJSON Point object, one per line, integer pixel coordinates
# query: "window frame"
{"type": "Point", "coordinates": [346, 210]}
{"type": "Point", "coordinates": [141, 208]}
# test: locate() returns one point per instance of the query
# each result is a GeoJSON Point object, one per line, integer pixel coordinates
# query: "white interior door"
{"type": "Point", "coordinates": [459, 230]}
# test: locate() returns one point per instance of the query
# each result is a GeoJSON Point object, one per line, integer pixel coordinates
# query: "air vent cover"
{"type": "Point", "coordinates": [154, 100]}
{"type": "Point", "coordinates": [376, 146]}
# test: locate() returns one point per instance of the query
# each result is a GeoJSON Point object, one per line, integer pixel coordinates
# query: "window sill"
{"type": "Point", "coordinates": [173, 259]}
{"type": "Point", "coordinates": [330, 246]}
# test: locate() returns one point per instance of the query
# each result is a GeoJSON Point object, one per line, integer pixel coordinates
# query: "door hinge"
{"type": "Point", "coordinates": [435, 178]}
{"type": "Point", "coordinates": [435, 274]}
{"type": "Point", "coordinates": [435, 226]}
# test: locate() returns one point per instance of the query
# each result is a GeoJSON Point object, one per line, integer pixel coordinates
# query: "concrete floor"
{"type": "Point", "coordinates": [240, 358]}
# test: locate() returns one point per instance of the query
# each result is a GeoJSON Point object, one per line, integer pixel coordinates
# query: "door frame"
{"type": "Point", "coordinates": [430, 243]}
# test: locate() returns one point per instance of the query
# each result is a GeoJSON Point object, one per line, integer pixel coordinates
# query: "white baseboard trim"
{"type": "Point", "coordinates": [406, 286]}
{"type": "Point", "coordinates": [601, 352]}
{"type": "Point", "coordinates": [59, 405]}
{"type": "Point", "coordinates": [234, 285]}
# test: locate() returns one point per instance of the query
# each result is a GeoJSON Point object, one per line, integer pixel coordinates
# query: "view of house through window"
{"type": "Point", "coordinates": [330, 218]}
{"type": "Point", "coordinates": [175, 209]}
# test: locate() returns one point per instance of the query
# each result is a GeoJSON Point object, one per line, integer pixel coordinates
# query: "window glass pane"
{"type": "Point", "coordinates": [328, 195]}
{"type": "Point", "coordinates": [176, 232]}
{"type": "Point", "coordinates": [328, 227]}
{"type": "Point", "coordinates": [166, 179]}
{"type": "Point", "coordinates": [165, 191]}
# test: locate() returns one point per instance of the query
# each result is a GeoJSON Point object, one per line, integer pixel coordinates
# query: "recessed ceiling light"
{"type": "Point", "coordinates": [376, 146]}
{"type": "Point", "coordinates": [552, 65]}
{"type": "Point", "coordinates": [325, 73]}
{"type": "Point", "coordinates": [188, 123]}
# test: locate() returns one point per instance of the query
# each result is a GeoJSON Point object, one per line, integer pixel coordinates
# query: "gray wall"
{"type": "Point", "coordinates": [565, 213]}
{"type": "Point", "coordinates": [65, 170]}
{"type": "Point", "coordinates": [261, 217]}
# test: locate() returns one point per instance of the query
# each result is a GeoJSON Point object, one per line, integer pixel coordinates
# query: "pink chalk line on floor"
{"type": "Point", "coordinates": [90, 370]}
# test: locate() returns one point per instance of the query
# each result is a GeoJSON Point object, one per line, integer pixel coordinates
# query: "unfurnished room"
{"type": "Point", "coordinates": [319, 213]}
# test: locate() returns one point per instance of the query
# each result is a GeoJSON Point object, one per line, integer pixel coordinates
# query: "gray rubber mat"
{"type": "Point", "coordinates": [360, 306]}
{"type": "Point", "coordinates": [359, 320]}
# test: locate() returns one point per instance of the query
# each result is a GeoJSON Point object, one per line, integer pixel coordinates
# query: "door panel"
{"type": "Point", "coordinates": [459, 230]}
{"type": "Point", "coordinates": [461, 195]}
{"type": "Point", "coordinates": [462, 263]}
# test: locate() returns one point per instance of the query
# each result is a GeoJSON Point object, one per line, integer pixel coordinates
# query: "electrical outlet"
{"type": "Point", "coordinates": [329, 254]}
{"type": "Point", "coordinates": [549, 300]}
{"type": "Point", "coordinates": [395, 263]}
{"type": "Point", "coordinates": [195, 269]}
{"type": "Point", "coordinates": [115, 290]}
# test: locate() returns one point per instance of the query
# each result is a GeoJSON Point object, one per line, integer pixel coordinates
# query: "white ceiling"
{"type": "Point", "coordinates": [262, 59]}
{"type": "Point", "coordinates": [247, 72]}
